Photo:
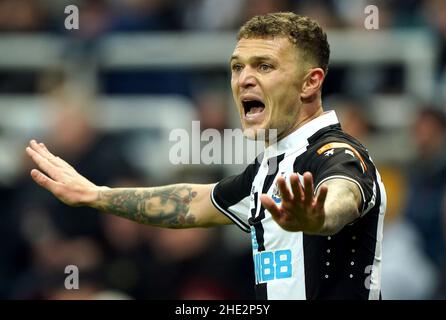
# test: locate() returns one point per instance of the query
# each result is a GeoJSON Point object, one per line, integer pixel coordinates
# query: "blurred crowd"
{"type": "Point", "coordinates": [118, 259]}
{"type": "Point", "coordinates": [103, 16]}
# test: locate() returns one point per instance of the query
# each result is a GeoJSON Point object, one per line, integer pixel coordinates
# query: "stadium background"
{"type": "Point", "coordinates": [105, 98]}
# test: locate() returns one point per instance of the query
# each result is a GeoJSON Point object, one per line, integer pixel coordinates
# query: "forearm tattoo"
{"type": "Point", "coordinates": [161, 206]}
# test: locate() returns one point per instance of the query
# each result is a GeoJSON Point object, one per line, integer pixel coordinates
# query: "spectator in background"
{"type": "Point", "coordinates": [322, 10]}
{"type": "Point", "coordinates": [435, 15]}
{"type": "Point", "coordinates": [127, 264]}
{"type": "Point", "coordinates": [22, 16]}
{"type": "Point", "coordinates": [13, 249]}
{"type": "Point", "coordinates": [355, 122]}
{"type": "Point", "coordinates": [408, 272]}
{"type": "Point", "coordinates": [211, 14]}
{"type": "Point", "coordinates": [145, 15]}
{"type": "Point", "coordinates": [71, 107]}
{"type": "Point", "coordinates": [261, 7]}
{"type": "Point", "coordinates": [427, 183]}
{"type": "Point", "coordinates": [94, 20]}
{"type": "Point", "coordinates": [213, 109]}
{"type": "Point", "coordinates": [351, 12]}
{"type": "Point", "coordinates": [227, 15]}
{"type": "Point", "coordinates": [186, 264]}
{"type": "Point", "coordinates": [414, 242]}
{"type": "Point", "coordinates": [74, 238]}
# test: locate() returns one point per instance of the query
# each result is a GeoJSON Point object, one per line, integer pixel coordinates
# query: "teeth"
{"type": "Point", "coordinates": [254, 110]}
{"type": "Point", "coordinates": [253, 106]}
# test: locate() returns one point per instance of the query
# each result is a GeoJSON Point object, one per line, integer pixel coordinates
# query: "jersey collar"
{"type": "Point", "coordinates": [299, 138]}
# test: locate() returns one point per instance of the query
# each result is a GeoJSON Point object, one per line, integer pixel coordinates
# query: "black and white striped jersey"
{"type": "Point", "coordinates": [294, 265]}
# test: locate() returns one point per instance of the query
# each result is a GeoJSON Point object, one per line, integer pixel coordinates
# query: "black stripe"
{"type": "Point", "coordinates": [261, 289]}
{"type": "Point", "coordinates": [257, 221]}
{"type": "Point", "coordinates": [261, 292]}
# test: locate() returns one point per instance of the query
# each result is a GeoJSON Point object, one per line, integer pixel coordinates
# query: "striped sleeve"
{"type": "Point", "coordinates": [343, 160]}
{"type": "Point", "coordinates": [231, 196]}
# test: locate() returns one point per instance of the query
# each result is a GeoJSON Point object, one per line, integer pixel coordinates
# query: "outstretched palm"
{"type": "Point", "coordinates": [300, 209]}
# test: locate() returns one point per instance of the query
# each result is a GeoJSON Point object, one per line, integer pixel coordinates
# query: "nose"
{"type": "Point", "coordinates": [246, 78]}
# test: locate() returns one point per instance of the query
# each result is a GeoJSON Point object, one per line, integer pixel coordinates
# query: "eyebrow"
{"type": "Point", "coordinates": [254, 58]}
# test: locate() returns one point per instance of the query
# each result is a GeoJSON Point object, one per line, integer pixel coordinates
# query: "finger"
{"type": "Point", "coordinates": [44, 181]}
{"type": "Point", "coordinates": [51, 157]}
{"type": "Point", "coordinates": [285, 193]}
{"type": "Point", "coordinates": [320, 201]}
{"type": "Point", "coordinates": [37, 148]}
{"type": "Point", "coordinates": [269, 204]}
{"type": "Point", "coordinates": [57, 161]}
{"type": "Point", "coordinates": [42, 163]}
{"type": "Point", "coordinates": [41, 149]}
{"type": "Point", "coordinates": [296, 188]}
{"type": "Point", "coordinates": [308, 188]}
{"type": "Point", "coordinates": [45, 150]}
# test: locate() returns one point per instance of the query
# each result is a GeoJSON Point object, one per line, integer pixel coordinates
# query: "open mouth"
{"type": "Point", "coordinates": [252, 107]}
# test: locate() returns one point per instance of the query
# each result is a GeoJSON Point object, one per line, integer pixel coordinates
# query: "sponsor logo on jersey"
{"type": "Point", "coordinates": [337, 145]}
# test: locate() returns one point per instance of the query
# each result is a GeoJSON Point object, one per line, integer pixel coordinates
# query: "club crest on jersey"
{"type": "Point", "coordinates": [276, 192]}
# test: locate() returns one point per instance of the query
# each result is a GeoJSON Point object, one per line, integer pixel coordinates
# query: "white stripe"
{"type": "Point", "coordinates": [229, 214]}
{"type": "Point", "coordinates": [375, 279]}
{"type": "Point", "coordinates": [276, 238]}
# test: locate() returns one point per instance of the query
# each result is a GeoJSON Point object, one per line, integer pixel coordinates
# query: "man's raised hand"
{"type": "Point", "coordinates": [60, 178]}
{"type": "Point", "coordinates": [300, 209]}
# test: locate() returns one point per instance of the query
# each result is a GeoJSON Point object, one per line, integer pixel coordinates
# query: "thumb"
{"type": "Point", "coordinates": [269, 204]}
{"type": "Point", "coordinates": [42, 180]}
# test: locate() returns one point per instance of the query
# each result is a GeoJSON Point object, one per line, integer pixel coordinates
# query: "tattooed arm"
{"type": "Point", "coordinates": [173, 206]}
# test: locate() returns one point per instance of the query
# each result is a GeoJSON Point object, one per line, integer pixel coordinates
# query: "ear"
{"type": "Point", "coordinates": [312, 84]}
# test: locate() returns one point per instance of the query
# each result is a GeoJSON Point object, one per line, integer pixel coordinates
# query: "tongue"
{"type": "Point", "coordinates": [255, 110]}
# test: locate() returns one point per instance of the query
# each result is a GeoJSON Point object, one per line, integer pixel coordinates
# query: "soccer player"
{"type": "Point", "coordinates": [313, 201]}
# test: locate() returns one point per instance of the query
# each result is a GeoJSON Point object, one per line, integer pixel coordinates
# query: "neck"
{"type": "Point", "coordinates": [302, 119]}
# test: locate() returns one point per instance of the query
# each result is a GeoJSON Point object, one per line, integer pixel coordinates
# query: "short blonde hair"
{"type": "Point", "coordinates": [304, 32]}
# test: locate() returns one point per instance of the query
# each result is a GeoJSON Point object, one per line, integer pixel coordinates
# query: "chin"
{"type": "Point", "coordinates": [250, 134]}
{"type": "Point", "coordinates": [257, 133]}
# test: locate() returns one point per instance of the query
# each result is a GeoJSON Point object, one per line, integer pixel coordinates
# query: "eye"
{"type": "Point", "coordinates": [265, 67]}
{"type": "Point", "coordinates": [236, 67]}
